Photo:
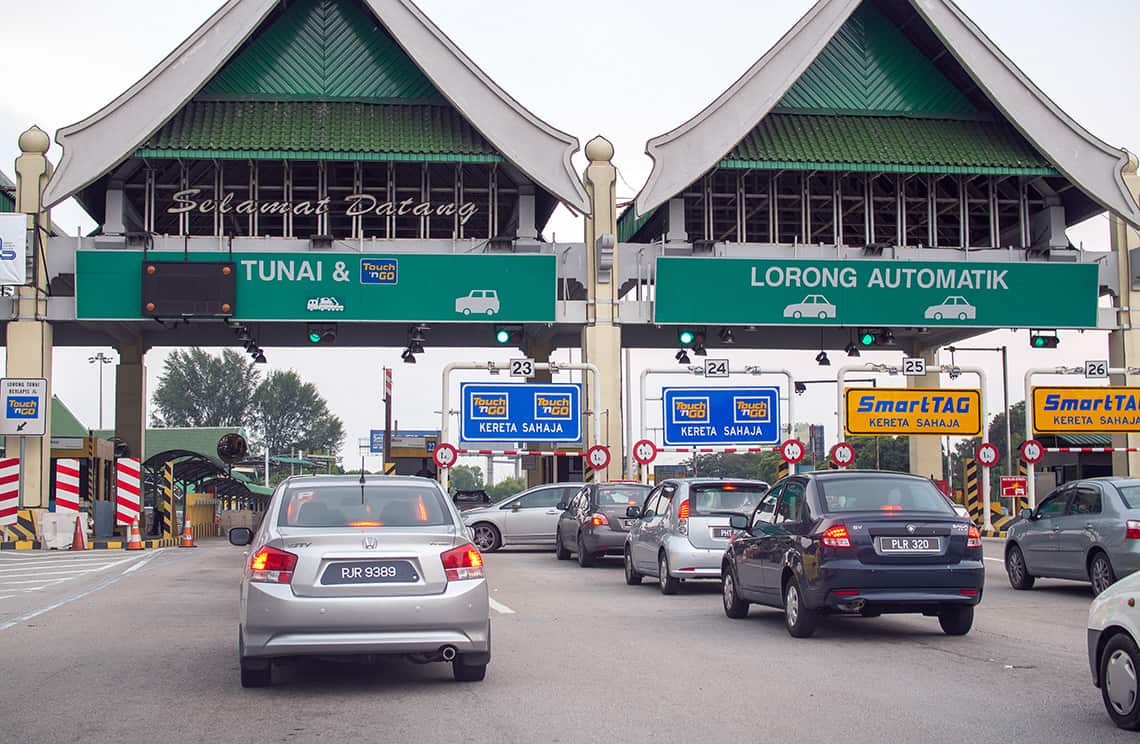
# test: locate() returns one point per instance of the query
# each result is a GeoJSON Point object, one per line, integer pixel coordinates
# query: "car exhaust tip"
{"type": "Point", "coordinates": [448, 653]}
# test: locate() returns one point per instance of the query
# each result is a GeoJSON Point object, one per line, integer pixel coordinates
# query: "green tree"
{"type": "Point", "coordinates": [965, 448]}
{"type": "Point", "coordinates": [752, 466]}
{"type": "Point", "coordinates": [881, 453]}
{"type": "Point", "coordinates": [466, 478]}
{"type": "Point", "coordinates": [291, 414]}
{"type": "Point", "coordinates": [508, 487]}
{"type": "Point", "coordinates": [197, 389]}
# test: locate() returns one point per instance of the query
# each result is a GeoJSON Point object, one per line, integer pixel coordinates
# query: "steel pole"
{"type": "Point", "coordinates": [1005, 402]}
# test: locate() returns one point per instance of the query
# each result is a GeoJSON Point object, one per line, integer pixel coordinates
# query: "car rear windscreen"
{"type": "Point", "coordinates": [725, 498]}
{"type": "Point", "coordinates": [1130, 495]}
{"type": "Point", "coordinates": [621, 495]}
{"type": "Point", "coordinates": [377, 506]}
{"type": "Point", "coordinates": [882, 494]}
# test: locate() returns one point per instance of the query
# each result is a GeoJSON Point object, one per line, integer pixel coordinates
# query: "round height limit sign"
{"type": "Point", "coordinates": [444, 455]}
{"type": "Point", "coordinates": [987, 455]}
{"type": "Point", "coordinates": [598, 457]}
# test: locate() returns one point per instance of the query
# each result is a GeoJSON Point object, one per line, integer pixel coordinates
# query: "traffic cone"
{"type": "Point", "coordinates": [187, 535]}
{"type": "Point", "coordinates": [134, 542]}
{"type": "Point", "coordinates": [77, 541]}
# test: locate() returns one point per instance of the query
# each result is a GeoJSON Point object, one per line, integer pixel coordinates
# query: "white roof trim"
{"type": "Point", "coordinates": [97, 144]}
{"type": "Point", "coordinates": [681, 156]}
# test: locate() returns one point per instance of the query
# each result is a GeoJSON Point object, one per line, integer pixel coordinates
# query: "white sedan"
{"type": "Point", "coordinates": [955, 307]}
{"type": "Point", "coordinates": [1114, 626]}
{"type": "Point", "coordinates": [813, 306]}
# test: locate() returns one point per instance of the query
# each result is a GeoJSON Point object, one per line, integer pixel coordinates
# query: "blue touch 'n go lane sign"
{"type": "Point", "coordinates": [721, 416]}
{"type": "Point", "coordinates": [521, 412]}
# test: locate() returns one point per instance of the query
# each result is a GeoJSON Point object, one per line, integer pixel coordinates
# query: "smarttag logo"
{"type": "Point", "coordinates": [552, 407]}
{"type": "Point", "coordinates": [379, 271]}
{"type": "Point", "coordinates": [6, 254]}
{"type": "Point", "coordinates": [750, 410]}
{"type": "Point", "coordinates": [23, 406]}
{"type": "Point", "coordinates": [489, 406]}
{"type": "Point", "coordinates": [690, 410]}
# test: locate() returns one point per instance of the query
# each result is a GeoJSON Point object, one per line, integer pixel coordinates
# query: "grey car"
{"type": "Point", "coordinates": [1087, 530]}
{"type": "Point", "coordinates": [527, 518]}
{"type": "Point", "coordinates": [596, 521]}
{"type": "Point", "coordinates": [682, 530]}
{"type": "Point", "coordinates": [349, 565]}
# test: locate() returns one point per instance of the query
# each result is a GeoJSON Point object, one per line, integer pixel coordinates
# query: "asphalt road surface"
{"type": "Point", "coordinates": [110, 646]}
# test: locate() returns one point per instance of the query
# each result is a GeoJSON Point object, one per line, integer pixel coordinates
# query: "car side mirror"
{"type": "Point", "coordinates": [1027, 515]}
{"type": "Point", "coordinates": [562, 506]}
{"type": "Point", "coordinates": [516, 506]}
{"type": "Point", "coordinates": [241, 536]}
{"type": "Point", "coordinates": [738, 522]}
{"type": "Point", "coordinates": [633, 511]}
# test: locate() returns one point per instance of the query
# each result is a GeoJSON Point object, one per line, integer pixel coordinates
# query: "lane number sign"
{"type": "Point", "coordinates": [793, 451]}
{"type": "Point", "coordinates": [1032, 452]}
{"type": "Point", "coordinates": [843, 455]}
{"type": "Point", "coordinates": [645, 452]}
{"type": "Point", "coordinates": [914, 367]}
{"type": "Point", "coordinates": [1096, 370]}
{"type": "Point", "coordinates": [716, 368]}
{"type": "Point", "coordinates": [445, 455]}
{"type": "Point", "coordinates": [987, 455]}
{"type": "Point", "coordinates": [598, 457]}
{"type": "Point", "coordinates": [522, 368]}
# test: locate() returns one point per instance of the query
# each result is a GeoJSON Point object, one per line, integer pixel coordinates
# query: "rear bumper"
{"type": "Point", "coordinates": [890, 589]}
{"type": "Point", "coordinates": [1094, 660]}
{"type": "Point", "coordinates": [688, 562]}
{"type": "Point", "coordinates": [275, 622]}
{"type": "Point", "coordinates": [604, 540]}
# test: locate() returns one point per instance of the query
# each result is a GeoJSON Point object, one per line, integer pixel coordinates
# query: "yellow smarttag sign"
{"type": "Point", "coordinates": [1070, 410]}
{"type": "Point", "coordinates": [913, 411]}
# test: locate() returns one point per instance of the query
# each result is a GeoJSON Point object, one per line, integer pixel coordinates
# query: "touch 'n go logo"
{"type": "Point", "coordinates": [750, 410]}
{"type": "Point", "coordinates": [489, 406]}
{"type": "Point", "coordinates": [6, 254]}
{"type": "Point", "coordinates": [690, 410]}
{"type": "Point", "coordinates": [549, 407]}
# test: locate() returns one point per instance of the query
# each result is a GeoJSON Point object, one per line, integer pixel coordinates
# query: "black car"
{"type": "Point", "coordinates": [470, 499]}
{"type": "Point", "coordinates": [867, 543]}
{"type": "Point", "coordinates": [596, 520]}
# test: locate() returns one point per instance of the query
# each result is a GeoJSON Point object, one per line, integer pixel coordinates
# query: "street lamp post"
{"type": "Point", "coordinates": [100, 359]}
{"type": "Point", "coordinates": [874, 383]}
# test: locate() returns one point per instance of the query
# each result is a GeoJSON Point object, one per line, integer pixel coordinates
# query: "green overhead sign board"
{"type": "Point", "coordinates": [866, 292]}
{"type": "Point", "coordinates": [340, 286]}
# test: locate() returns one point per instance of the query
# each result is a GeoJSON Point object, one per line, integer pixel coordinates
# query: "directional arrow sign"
{"type": "Point", "coordinates": [645, 452]}
{"type": "Point", "coordinates": [843, 455]}
{"type": "Point", "coordinates": [445, 455]}
{"type": "Point", "coordinates": [1032, 451]}
{"type": "Point", "coordinates": [987, 455]}
{"type": "Point", "coordinates": [598, 457]}
{"type": "Point", "coordinates": [793, 451]}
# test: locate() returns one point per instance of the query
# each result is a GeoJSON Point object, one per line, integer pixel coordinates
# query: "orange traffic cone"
{"type": "Point", "coordinates": [77, 541]}
{"type": "Point", "coordinates": [187, 535]}
{"type": "Point", "coordinates": [134, 542]}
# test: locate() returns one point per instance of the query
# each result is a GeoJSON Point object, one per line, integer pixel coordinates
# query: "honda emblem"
{"type": "Point", "coordinates": [370, 543]}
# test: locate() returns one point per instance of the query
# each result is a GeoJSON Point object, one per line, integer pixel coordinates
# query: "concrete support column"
{"type": "Point", "coordinates": [527, 230]}
{"type": "Point", "coordinates": [676, 222]}
{"type": "Point", "coordinates": [926, 452]}
{"type": "Point", "coordinates": [1124, 344]}
{"type": "Point", "coordinates": [601, 339]}
{"type": "Point", "coordinates": [29, 336]}
{"type": "Point", "coordinates": [130, 398]}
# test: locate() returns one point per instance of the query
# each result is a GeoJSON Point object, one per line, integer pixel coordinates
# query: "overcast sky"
{"type": "Point", "coordinates": [629, 70]}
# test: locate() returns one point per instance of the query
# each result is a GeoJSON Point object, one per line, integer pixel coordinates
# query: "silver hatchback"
{"type": "Point", "coordinates": [1085, 530]}
{"type": "Point", "coordinates": [682, 530]}
{"type": "Point", "coordinates": [348, 565]}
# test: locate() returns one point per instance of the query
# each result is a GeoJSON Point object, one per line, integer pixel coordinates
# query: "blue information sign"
{"type": "Point", "coordinates": [521, 412]}
{"type": "Point", "coordinates": [721, 416]}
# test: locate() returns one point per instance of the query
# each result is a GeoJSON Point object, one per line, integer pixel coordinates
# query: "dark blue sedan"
{"type": "Point", "coordinates": [867, 543]}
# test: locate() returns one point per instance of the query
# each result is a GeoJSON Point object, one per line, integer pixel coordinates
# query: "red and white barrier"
{"type": "Point", "coordinates": [513, 453]}
{"type": "Point", "coordinates": [718, 450]}
{"type": "Point", "coordinates": [1091, 450]}
{"type": "Point", "coordinates": [128, 491]}
{"type": "Point", "coordinates": [9, 491]}
{"type": "Point", "coordinates": [66, 485]}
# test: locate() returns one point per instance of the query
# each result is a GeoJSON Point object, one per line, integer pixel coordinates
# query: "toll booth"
{"type": "Point", "coordinates": [1080, 462]}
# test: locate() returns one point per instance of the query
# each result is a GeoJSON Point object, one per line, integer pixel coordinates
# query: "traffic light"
{"type": "Point", "coordinates": [686, 336]}
{"type": "Point", "coordinates": [508, 335]}
{"type": "Point", "coordinates": [322, 333]}
{"type": "Point", "coordinates": [876, 337]}
{"type": "Point", "coordinates": [1044, 340]}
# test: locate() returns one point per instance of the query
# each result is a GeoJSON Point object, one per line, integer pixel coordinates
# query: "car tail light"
{"type": "Point", "coordinates": [968, 592]}
{"type": "Point", "coordinates": [846, 592]}
{"type": "Point", "coordinates": [599, 520]}
{"type": "Point", "coordinates": [683, 510]}
{"type": "Point", "coordinates": [462, 563]}
{"type": "Point", "coordinates": [890, 508]}
{"type": "Point", "coordinates": [365, 523]}
{"type": "Point", "coordinates": [1132, 529]}
{"type": "Point", "coordinates": [973, 538]}
{"type": "Point", "coordinates": [272, 566]}
{"type": "Point", "coordinates": [836, 537]}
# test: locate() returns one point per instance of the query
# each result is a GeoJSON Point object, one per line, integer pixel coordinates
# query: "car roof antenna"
{"type": "Point", "coordinates": [362, 480]}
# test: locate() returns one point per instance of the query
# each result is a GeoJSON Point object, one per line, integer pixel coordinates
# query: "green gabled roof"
{"type": "Point", "coordinates": [629, 224]}
{"type": "Point", "coordinates": [322, 130]}
{"type": "Point", "coordinates": [871, 65]}
{"type": "Point", "coordinates": [7, 194]}
{"type": "Point", "coordinates": [325, 49]}
{"type": "Point", "coordinates": [64, 424]}
{"type": "Point", "coordinates": [887, 144]}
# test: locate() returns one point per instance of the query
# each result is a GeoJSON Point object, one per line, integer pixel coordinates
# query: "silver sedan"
{"type": "Point", "coordinates": [346, 565]}
{"type": "Point", "coordinates": [527, 518]}
{"type": "Point", "coordinates": [1087, 530]}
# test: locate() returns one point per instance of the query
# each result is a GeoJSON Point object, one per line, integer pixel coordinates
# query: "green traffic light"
{"type": "Point", "coordinates": [686, 337]}
{"type": "Point", "coordinates": [1039, 341]}
{"type": "Point", "coordinates": [867, 339]}
{"type": "Point", "coordinates": [314, 337]}
{"type": "Point", "coordinates": [503, 336]}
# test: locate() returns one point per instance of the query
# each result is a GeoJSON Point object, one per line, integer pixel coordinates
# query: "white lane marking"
{"type": "Point", "coordinates": [141, 563]}
{"type": "Point", "coordinates": [995, 560]}
{"type": "Point", "coordinates": [501, 608]}
{"type": "Point", "coordinates": [7, 596]}
{"type": "Point", "coordinates": [31, 581]}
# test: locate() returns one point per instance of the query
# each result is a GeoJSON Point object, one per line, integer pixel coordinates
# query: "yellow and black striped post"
{"type": "Point", "coordinates": [1022, 501]}
{"type": "Point", "coordinates": [588, 473]}
{"type": "Point", "coordinates": [390, 468]}
{"type": "Point", "coordinates": [168, 521]}
{"type": "Point", "coordinates": [783, 470]}
{"type": "Point", "coordinates": [973, 500]}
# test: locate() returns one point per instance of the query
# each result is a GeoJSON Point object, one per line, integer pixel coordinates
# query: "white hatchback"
{"type": "Point", "coordinates": [1113, 628]}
